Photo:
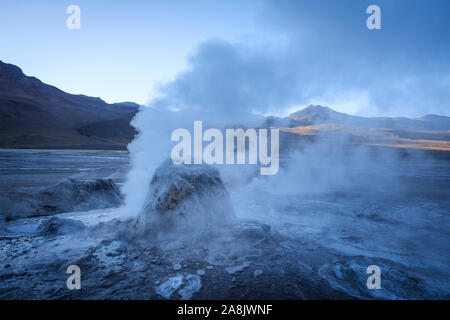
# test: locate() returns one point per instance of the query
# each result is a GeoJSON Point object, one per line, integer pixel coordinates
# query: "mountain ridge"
{"type": "Point", "coordinates": [34, 114]}
{"type": "Point", "coordinates": [314, 114]}
{"type": "Point", "coordinates": [430, 132]}
{"type": "Point", "coordinates": [37, 115]}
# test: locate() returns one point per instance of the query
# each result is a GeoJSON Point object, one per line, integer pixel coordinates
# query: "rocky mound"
{"type": "Point", "coordinates": [68, 195]}
{"type": "Point", "coordinates": [54, 226]}
{"type": "Point", "coordinates": [184, 196]}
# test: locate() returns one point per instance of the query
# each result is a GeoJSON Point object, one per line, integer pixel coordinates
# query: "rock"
{"type": "Point", "coordinates": [167, 288]}
{"type": "Point", "coordinates": [193, 285]}
{"type": "Point", "coordinates": [177, 266]}
{"type": "Point", "coordinates": [189, 285]}
{"type": "Point", "coordinates": [257, 273]}
{"type": "Point", "coordinates": [184, 196]}
{"type": "Point", "coordinates": [55, 226]}
{"type": "Point", "coordinates": [201, 272]}
{"type": "Point", "coordinates": [253, 231]}
{"type": "Point", "coordinates": [68, 195]}
{"type": "Point", "coordinates": [238, 268]}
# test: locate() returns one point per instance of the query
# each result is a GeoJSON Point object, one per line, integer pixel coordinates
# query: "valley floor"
{"type": "Point", "coordinates": [283, 245]}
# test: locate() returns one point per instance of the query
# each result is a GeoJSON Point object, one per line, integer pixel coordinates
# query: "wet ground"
{"type": "Point", "coordinates": [283, 245]}
{"type": "Point", "coordinates": [31, 168]}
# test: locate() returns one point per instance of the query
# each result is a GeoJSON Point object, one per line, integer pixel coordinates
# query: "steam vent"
{"type": "Point", "coordinates": [184, 197]}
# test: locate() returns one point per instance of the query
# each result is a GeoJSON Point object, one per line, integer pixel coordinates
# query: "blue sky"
{"type": "Point", "coordinates": [264, 55]}
{"type": "Point", "coordinates": [122, 46]}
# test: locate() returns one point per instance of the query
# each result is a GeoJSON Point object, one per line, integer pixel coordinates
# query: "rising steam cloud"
{"type": "Point", "coordinates": [226, 86]}
{"type": "Point", "coordinates": [235, 85]}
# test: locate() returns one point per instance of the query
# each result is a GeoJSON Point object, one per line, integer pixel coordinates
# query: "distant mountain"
{"type": "Point", "coordinates": [431, 132]}
{"type": "Point", "coordinates": [36, 115]}
{"type": "Point", "coordinates": [317, 114]}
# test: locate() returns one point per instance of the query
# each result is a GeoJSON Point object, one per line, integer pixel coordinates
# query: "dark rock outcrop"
{"type": "Point", "coordinates": [185, 196]}
{"type": "Point", "coordinates": [37, 115]}
{"type": "Point", "coordinates": [68, 195]}
{"type": "Point", "coordinates": [54, 226]}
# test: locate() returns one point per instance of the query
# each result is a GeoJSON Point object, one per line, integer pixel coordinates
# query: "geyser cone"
{"type": "Point", "coordinates": [190, 197]}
